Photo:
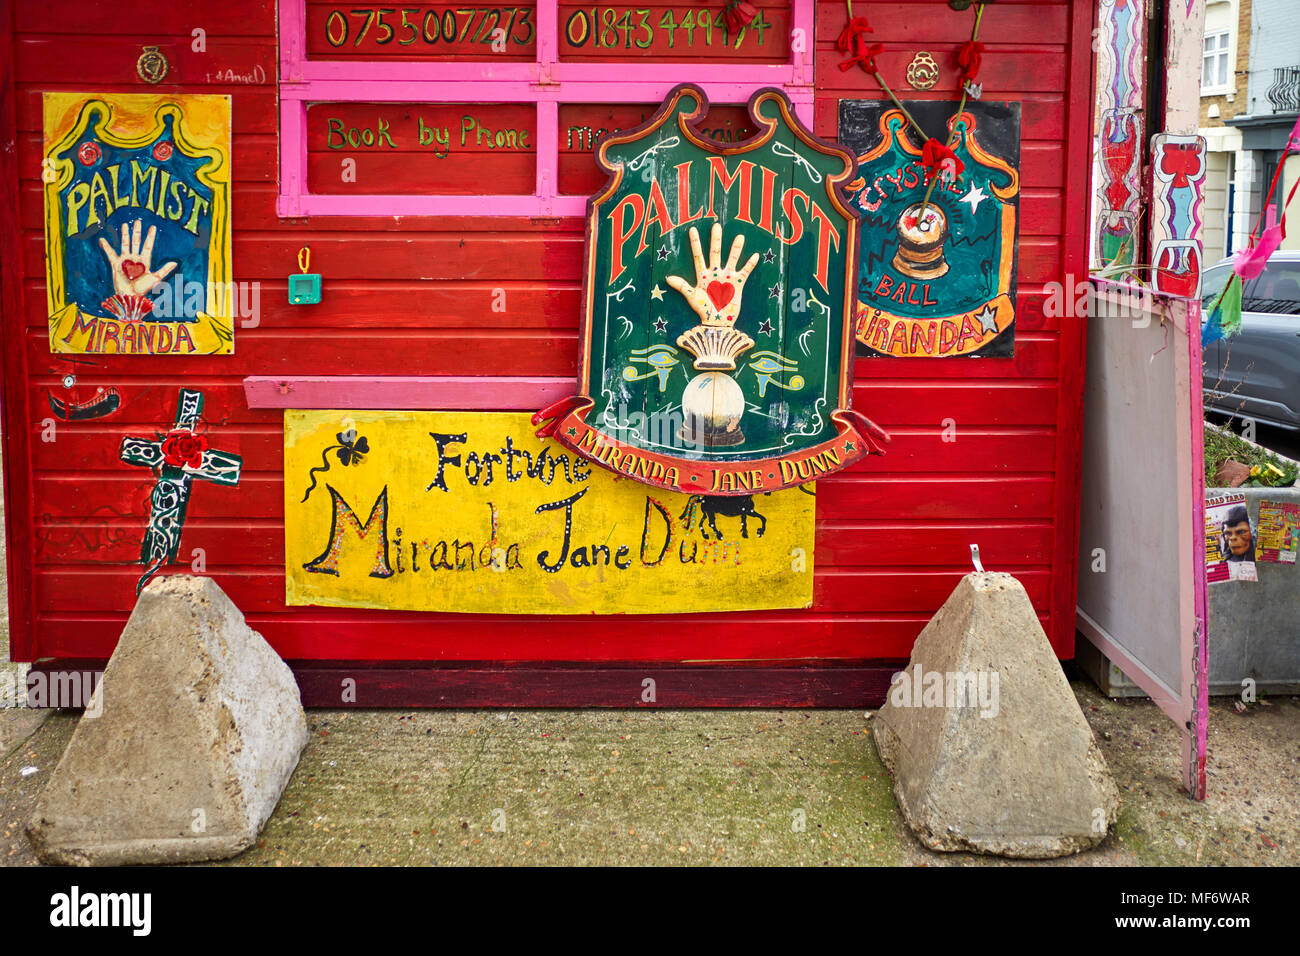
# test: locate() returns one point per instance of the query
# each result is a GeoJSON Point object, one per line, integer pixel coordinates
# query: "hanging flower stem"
{"type": "Point", "coordinates": [848, 6]}
{"type": "Point", "coordinates": [897, 102]}
{"type": "Point", "coordinates": [961, 107]}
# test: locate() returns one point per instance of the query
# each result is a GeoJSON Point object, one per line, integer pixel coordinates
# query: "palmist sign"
{"type": "Point", "coordinates": [711, 373]}
{"type": "Point", "coordinates": [137, 223]}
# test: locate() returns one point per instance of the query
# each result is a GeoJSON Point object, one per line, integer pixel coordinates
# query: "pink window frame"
{"type": "Point", "coordinates": [546, 83]}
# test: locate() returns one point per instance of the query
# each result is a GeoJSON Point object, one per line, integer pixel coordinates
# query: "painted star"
{"type": "Point", "coordinates": [769, 256]}
{"type": "Point", "coordinates": [661, 326]}
{"type": "Point", "coordinates": [988, 318]}
{"type": "Point", "coordinates": [657, 293]}
{"type": "Point", "coordinates": [766, 327]}
{"type": "Point", "coordinates": [850, 446]}
{"type": "Point", "coordinates": [663, 253]}
{"type": "Point", "coordinates": [573, 432]}
{"type": "Point", "coordinates": [974, 197]}
{"type": "Point", "coordinates": [774, 292]}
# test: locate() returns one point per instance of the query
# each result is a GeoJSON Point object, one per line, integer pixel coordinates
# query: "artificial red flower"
{"type": "Point", "coordinates": [738, 14]}
{"type": "Point", "coordinates": [939, 160]}
{"type": "Point", "coordinates": [969, 58]}
{"type": "Point", "coordinates": [855, 29]}
{"type": "Point", "coordinates": [853, 40]}
{"type": "Point", "coordinates": [183, 447]}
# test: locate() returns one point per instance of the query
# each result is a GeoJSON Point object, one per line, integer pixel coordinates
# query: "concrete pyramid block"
{"type": "Point", "coordinates": [986, 743]}
{"type": "Point", "coordinates": [187, 744]}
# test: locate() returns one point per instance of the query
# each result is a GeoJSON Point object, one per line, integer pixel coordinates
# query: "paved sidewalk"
{"type": "Point", "coordinates": [703, 787]}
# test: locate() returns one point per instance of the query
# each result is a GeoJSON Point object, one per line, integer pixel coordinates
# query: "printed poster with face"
{"type": "Point", "coordinates": [1229, 540]}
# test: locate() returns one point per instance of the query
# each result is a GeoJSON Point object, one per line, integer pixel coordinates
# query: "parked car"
{"type": "Point", "coordinates": [1256, 373]}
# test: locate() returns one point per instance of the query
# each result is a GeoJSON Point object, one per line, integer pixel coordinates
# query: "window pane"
{"type": "Point", "coordinates": [1212, 283]}
{"type": "Point", "coordinates": [1223, 69]}
{"type": "Point", "coordinates": [672, 32]}
{"type": "Point", "coordinates": [1277, 290]}
{"type": "Point", "coordinates": [411, 149]}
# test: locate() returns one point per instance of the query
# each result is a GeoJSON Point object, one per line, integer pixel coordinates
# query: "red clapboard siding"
{"type": "Point", "coordinates": [1014, 451]}
{"type": "Point", "coordinates": [414, 297]}
{"type": "Point", "coordinates": [439, 637]}
{"type": "Point", "coordinates": [906, 403]}
{"type": "Point", "coordinates": [530, 304]}
{"type": "Point", "coordinates": [1003, 23]}
{"type": "Point", "coordinates": [103, 589]}
{"type": "Point", "coordinates": [104, 537]}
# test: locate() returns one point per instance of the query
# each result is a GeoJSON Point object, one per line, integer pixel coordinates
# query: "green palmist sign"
{"type": "Point", "coordinates": [717, 331]}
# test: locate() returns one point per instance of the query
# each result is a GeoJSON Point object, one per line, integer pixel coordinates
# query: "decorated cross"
{"type": "Point", "coordinates": [177, 459]}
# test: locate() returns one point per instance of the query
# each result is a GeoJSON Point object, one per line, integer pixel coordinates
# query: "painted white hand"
{"type": "Point", "coordinates": [132, 269]}
{"type": "Point", "coordinates": [715, 297]}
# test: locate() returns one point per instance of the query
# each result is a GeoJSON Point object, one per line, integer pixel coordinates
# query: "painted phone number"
{"type": "Point", "coordinates": [601, 27]}
{"type": "Point", "coordinates": [449, 25]}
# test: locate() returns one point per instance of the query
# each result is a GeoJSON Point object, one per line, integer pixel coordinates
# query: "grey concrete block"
{"type": "Point", "coordinates": [985, 740]}
{"type": "Point", "coordinates": [199, 728]}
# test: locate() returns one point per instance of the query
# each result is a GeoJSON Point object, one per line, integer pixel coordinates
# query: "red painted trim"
{"type": "Point", "coordinates": [432, 392]}
{"type": "Point", "coordinates": [18, 423]}
{"type": "Point", "coordinates": [1073, 333]}
{"type": "Point", "coordinates": [567, 684]}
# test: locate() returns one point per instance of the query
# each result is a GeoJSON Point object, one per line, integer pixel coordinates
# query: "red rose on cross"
{"type": "Point", "coordinates": [183, 447]}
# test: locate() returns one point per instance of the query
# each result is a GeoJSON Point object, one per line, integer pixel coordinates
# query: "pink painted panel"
{"type": "Point", "coordinates": [432, 392]}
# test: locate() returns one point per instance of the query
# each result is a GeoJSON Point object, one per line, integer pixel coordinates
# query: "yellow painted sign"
{"type": "Point", "coordinates": [137, 224]}
{"type": "Point", "coordinates": [469, 511]}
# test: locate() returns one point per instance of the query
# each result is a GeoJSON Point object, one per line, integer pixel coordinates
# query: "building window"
{"type": "Point", "coordinates": [1215, 74]}
{"type": "Point", "coordinates": [434, 109]}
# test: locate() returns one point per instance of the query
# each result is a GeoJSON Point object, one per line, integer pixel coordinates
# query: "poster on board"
{"type": "Point", "coordinates": [1229, 540]}
{"type": "Point", "coordinates": [938, 276]}
{"type": "Point", "coordinates": [1279, 531]}
{"type": "Point", "coordinates": [137, 223]}
{"type": "Point", "coordinates": [471, 512]}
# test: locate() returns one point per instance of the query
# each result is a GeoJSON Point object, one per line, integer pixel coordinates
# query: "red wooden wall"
{"type": "Point", "coordinates": [414, 299]}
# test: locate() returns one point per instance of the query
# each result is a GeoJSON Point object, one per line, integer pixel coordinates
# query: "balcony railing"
{"type": "Point", "coordinates": [1284, 94]}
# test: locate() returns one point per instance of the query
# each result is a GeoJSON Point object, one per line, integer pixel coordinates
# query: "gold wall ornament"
{"type": "Point", "coordinates": [152, 65]}
{"type": "Point", "coordinates": [923, 71]}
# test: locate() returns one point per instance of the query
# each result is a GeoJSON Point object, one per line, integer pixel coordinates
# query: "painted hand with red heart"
{"type": "Point", "coordinates": [715, 297]}
{"type": "Point", "coordinates": [132, 270]}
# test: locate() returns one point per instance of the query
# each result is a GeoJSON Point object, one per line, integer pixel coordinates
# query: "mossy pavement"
{"type": "Point", "coordinates": [798, 787]}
